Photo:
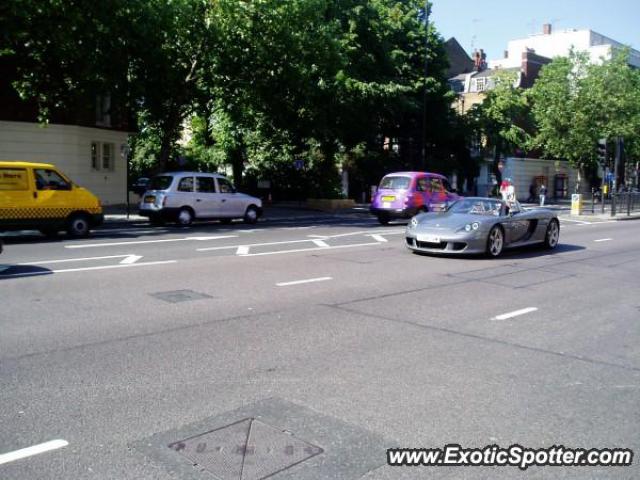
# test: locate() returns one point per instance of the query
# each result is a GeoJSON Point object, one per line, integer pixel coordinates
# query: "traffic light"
{"type": "Point", "coordinates": [602, 151]}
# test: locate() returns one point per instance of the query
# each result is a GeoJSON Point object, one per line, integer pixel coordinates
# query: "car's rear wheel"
{"type": "Point", "coordinates": [383, 218]}
{"type": "Point", "coordinates": [251, 215]}
{"type": "Point", "coordinates": [495, 242]}
{"type": "Point", "coordinates": [552, 236]}
{"type": "Point", "coordinates": [185, 217]}
{"type": "Point", "coordinates": [78, 225]}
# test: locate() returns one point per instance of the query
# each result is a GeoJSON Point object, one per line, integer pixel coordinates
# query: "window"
{"type": "Point", "coordinates": [12, 179]}
{"type": "Point", "coordinates": [95, 161]}
{"type": "Point", "coordinates": [107, 156]}
{"type": "Point", "coordinates": [186, 184]}
{"type": "Point", "coordinates": [395, 183]}
{"type": "Point", "coordinates": [50, 180]}
{"type": "Point", "coordinates": [481, 84]}
{"type": "Point", "coordinates": [205, 185]}
{"type": "Point", "coordinates": [225, 185]}
{"type": "Point", "coordinates": [422, 184]}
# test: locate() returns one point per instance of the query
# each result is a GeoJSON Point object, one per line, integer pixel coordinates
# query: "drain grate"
{"type": "Point", "coordinates": [178, 296]}
{"type": "Point", "coordinates": [246, 450]}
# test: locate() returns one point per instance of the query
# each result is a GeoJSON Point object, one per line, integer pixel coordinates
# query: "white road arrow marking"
{"type": "Point", "coordinates": [321, 243]}
{"type": "Point", "coordinates": [130, 259]}
{"type": "Point", "coordinates": [242, 250]}
{"type": "Point", "coordinates": [379, 238]}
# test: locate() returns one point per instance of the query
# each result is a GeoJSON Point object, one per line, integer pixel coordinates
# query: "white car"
{"type": "Point", "coordinates": [183, 197]}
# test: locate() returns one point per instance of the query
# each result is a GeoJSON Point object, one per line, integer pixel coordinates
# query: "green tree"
{"type": "Point", "coordinates": [576, 103]}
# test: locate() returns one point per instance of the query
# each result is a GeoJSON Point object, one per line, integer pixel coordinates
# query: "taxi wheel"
{"type": "Point", "coordinates": [251, 215]}
{"type": "Point", "coordinates": [383, 219]}
{"type": "Point", "coordinates": [78, 226]}
{"type": "Point", "coordinates": [185, 217]}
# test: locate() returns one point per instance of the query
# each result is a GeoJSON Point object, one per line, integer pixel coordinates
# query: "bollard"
{"type": "Point", "coordinates": [593, 201]}
{"type": "Point", "coordinates": [628, 204]}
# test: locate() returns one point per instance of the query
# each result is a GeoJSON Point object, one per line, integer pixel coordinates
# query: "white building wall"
{"type": "Point", "coordinates": [523, 171]}
{"type": "Point", "coordinates": [558, 44]}
{"type": "Point", "coordinates": [69, 148]}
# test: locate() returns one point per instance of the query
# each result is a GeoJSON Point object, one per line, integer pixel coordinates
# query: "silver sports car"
{"type": "Point", "coordinates": [482, 225]}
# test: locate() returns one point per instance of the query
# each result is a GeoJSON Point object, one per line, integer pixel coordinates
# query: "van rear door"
{"type": "Point", "coordinates": [16, 195]}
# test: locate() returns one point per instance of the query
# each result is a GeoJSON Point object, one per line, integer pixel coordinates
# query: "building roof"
{"type": "Point", "coordinates": [459, 60]}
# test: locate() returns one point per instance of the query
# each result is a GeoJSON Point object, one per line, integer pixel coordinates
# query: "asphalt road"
{"type": "Point", "coordinates": [139, 336]}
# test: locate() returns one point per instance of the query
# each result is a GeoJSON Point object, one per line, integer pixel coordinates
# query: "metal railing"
{"type": "Point", "coordinates": [625, 203]}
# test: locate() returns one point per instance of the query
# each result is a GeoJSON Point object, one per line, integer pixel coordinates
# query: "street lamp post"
{"type": "Point", "coordinates": [427, 13]}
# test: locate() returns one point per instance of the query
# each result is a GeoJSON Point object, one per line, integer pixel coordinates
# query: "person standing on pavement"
{"type": "Point", "coordinates": [543, 193]}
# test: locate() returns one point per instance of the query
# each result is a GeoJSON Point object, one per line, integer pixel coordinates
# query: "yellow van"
{"type": "Point", "coordinates": [38, 196]}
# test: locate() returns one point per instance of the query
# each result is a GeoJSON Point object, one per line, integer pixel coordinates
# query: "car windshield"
{"type": "Point", "coordinates": [477, 207]}
{"type": "Point", "coordinates": [395, 183]}
{"type": "Point", "coordinates": [161, 182]}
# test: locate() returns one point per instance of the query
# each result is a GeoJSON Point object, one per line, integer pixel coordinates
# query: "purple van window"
{"type": "Point", "coordinates": [395, 183]}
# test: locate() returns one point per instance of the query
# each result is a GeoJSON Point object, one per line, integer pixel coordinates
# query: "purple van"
{"type": "Point", "coordinates": [404, 194]}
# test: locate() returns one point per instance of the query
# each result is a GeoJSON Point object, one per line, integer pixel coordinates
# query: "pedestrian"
{"type": "Point", "coordinates": [504, 189]}
{"type": "Point", "coordinates": [543, 193]}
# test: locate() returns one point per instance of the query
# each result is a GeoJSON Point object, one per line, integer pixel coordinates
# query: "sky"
{"type": "Point", "coordinates": [490, 24]}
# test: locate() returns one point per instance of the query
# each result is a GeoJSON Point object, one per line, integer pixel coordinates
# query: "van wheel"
{"type": "Point", "coordinates": [78, 226]}
{"type": "Point", "coordinates": [251, 215]}
{"type": "Point", "coordinates": [185, 217]}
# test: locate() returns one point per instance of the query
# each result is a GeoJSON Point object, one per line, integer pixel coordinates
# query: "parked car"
{"type": "Point", "coordinates": [482, 225]}
{"type": "Point", "coordinates": [404, 194]}
{"type": "Point", "coordinates": [38, 196]}
{"type": "Point", "coordinates": [183, 197]}
{"type": "Point", "coordinates": [140, 185]}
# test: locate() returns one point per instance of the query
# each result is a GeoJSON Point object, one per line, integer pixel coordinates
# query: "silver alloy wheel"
{"type": "Point", "coordinates": [553, 234]}
{"type": "Point", "coordinates": [185, 217]}
{"type": "Point", "coordinates": [496, 241]}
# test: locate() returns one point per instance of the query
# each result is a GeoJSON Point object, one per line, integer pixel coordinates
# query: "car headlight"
{"type": "Point", "coordinates": [471, 226]}
{"type": "Point", "coordinates": [413, 223]}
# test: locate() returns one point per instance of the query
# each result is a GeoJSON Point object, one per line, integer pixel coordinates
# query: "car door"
{"type": "Point", "coordinates": [53, 194]}
{"type": "Point", "coordinates": [207, 199]}
{"type": "Point", "coordinates": [184, 195]}
{"type": "Point", "coordinates": [437, 195]}
{"type": "Point", "coordinates": [518, 225]}
{"type": "Point", "coordinates": [232, 204]}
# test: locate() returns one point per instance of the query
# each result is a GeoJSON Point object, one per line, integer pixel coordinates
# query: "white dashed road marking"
{"type": "Point", "coordinates": [142, 242]}
{"type": "Point", "coordinates": [300, 282]}
{"type": "Point", "coordinates": [34, 450]}
{"type": "Point", "coordinates": [517, 313]}
{"type": "Point", "coordinates": [603, 240]}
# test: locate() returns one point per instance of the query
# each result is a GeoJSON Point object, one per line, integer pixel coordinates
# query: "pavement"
{"type": "Point", "coordinates": [304, 347]}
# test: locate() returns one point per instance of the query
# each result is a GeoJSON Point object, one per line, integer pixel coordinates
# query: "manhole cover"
{"type": "Point", "coordinates": [177, 296]}
{"type": "Point", "coordinates": [246, 450]}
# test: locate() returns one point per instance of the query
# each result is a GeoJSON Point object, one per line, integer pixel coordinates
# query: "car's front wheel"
{"type": "Point", "coordinates": [552, 236]}
{"type": "Point", "coordinates": [251, 215]}
{"type": "Point", "coordinates": [495, 242]}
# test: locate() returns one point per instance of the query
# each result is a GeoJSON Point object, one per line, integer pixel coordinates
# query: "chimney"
{"type": "Point", "coordinates": [506, 54]}
{"type": "Point", "coordinates": [546, 29]}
